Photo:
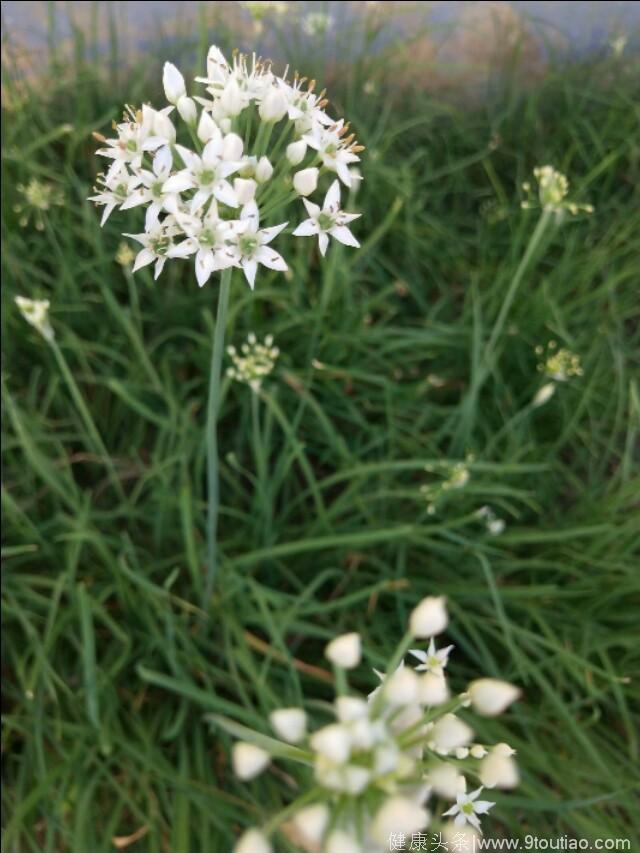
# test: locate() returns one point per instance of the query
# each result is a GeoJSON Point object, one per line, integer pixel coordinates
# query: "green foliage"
{"type": "Point", "coordinates": [112, 670]}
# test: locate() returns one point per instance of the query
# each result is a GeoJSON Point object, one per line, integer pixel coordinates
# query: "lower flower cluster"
{"type": "Point", "coordinates": [385, 764]}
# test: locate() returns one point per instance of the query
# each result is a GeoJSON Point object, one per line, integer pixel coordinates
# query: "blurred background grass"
{"type": "Point", "coordinates": [109, 663]}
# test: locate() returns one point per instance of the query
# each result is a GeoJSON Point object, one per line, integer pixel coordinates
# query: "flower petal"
{"type": "Point", "coordinates": [143, 259]}
{"type": "Point", "coordinates": [306, 229]}
{"type": "Point", "coordinates": [343, 235]}
{"type": "Point", "coordinates": [271, 259]}
{"type": "Point", "coordinates": [332, 198]}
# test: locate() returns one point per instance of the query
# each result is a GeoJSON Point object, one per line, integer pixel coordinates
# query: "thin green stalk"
{"type": "Point", "coordinates": [213, 485]}
{"type": "Point", "coordinates": [98, 445]}
{"type": "Point", "coordinates": [530, 251]}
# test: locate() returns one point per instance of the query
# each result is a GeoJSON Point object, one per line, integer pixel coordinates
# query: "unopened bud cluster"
{"type": "Point", "coordinates": [384, 764]}
{"type": "Point", "coordinates": [553, 188]}
{"type": "Point", "coordinates": [558, 365]}
{"type": "Point", "coordinates": [254, 362]}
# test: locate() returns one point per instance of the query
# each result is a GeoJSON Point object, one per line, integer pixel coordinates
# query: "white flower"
{"type": "Point", "coordinates": [207, 238]}
{"type": "Point", "coordinates": [36, 313]}
{"type": "Point", "coordinates": [252, 243]}
{"type": "Point", "coordinates": [450, 732]}
{"type": "Point", "coordinates": [344, 651]}
{"type": "Point", "coordinates": [467, 807]}
{"type": "Point", "coordinates": [312, 821]}
{"type": "Point", "coordinates": [433, 660]}
{"type": "Point", "coordinates": [296, 152]}
{"type": "Point", "coordinates": [351, 708]}
{"type": "Point", "coordinates": [135, 137]}
{"type": "Point", "coordinates": [332, 742]}
{"type": "Point", "coordinates": [316, 23]}
{"type": "Point", "coordinates": [328, 221]}
{"type": "Point", "coordinates": [498, 769]}
{"type": "Point", "coordinates": [254, 362]}
{"type": "Point", "coordinates": [429, 617]}
{"type": "Point", "coordinates": [491, 696]}
{"type": "Point", "coordinates": [173, 83]}
{"type": "Point", "coordinates": [156, 244]}
{"type": "Point", "coordinates": [252, 841]}
{"type": "Point", "coordinates": [336, 153]}
{"type": "Point", "coordinates": [398, 815]}
{"type": "Point", "coordinates": [114, 189]}
{"type": "Point", "coordinates": [207, 174]}
{"type": "Point", "coordinates": [248, 760]}
{"type": "Point", "coordinates": [305, 182]}
{"type": "Point", "coordinates": [289, 723]}
{"type": "Point", "coordinates": [152, 191]}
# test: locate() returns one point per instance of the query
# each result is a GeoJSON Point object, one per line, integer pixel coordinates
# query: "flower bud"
{"type": "Point", "coordinates": [429, 617]}
{"type": "Point", "coordinates": [433, 689]}
{"type": "Point", "coordinates": [351, 708]}
{"type": "Point", "coordinates": [187, 109]}
{"type": "Point", "coordinates": [544, 394]}
{"type": "Point", "coordinates": [225, 125]}
{"type": "Point", "coordinates": [290, 724]}
{"type": "Point", "coordinates": [273, 106]}
{"type": "Point", "coordinates": [232, 146]}
{"type": "Point", "coordinates": [344, 651]}
{"type": "Point", "coordinates": [263, 170]}
{"type": "Point", "coordinates": [36, 313]}
{"type": "Point", "coordinates": [248, 760]}
{"type": "Point", "coordinates": [296, 152]}
{"type": "Point", "coordinates": [332, 742]}
{"type": "Point", "coordinates": [446, 781]}
{"type": "Point", "coordinates": [490, 696]}
{"type": "Point", "coordinates": [401, 688]}
{"type": "Point", "coordinates": [341, 842]}
{"type": "Point", "coordinates": [252, 841]}
{"type": "Point", "coordinates": [311, 822]}
{"type": "Point", "coordinates": [450, 732]}
{"type": "Point", "coordinates": [173, 83]}
{"type": "Point", "coordinates": [231, 99]}
{"type": "Point", "coordinates": [498, 769]}
{"type": "Point", "coordinates": [398, 815]}
{"type": "Point", "coordinates": [305, 181]}
{"type": "Point", "coordinates": [163, 126]}
{"type": "Point", "coordinates": [206, 127]}
{"type": "Point", "coordinates": [245, 190]}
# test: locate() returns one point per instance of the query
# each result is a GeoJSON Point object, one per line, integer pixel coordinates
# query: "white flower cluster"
{"type": "Point", "coordinates": [456, 476]}
{"type": "Point", "coordinates": [254, 361]}
{"type": "Point", "coordinates": [383, 763]}
{"type": "Point", "coordinates": [239, 156]}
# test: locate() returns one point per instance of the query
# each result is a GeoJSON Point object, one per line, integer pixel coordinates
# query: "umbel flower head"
{"type": "Point", "coordinates": [216, 172]}
{"type": "Point", "coordinates": [557, 365]}
{"type": "Point", "coordinates": [391, 764]}
{"type": "Point", "coordinates": [553, 188]}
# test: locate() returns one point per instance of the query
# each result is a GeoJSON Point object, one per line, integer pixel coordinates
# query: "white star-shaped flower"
{"type": "Point", "coordinates": [207, 174]}
{"type": "Point", "coordinates": [433, 660]}
{"type": "Point", "coordinates": [152, 190]}
{"type": "Point", "coordinates": [328, 221]}
{"type": "Point", "coordinates": [207, 238]}
{"type": "Point", "coordinates": [335, 152]}
{"type": "Point", "coordinates": [467, 809]}
{"type": "Point", "coordinates": [114, 189]}
{"type": "Point", "coordinates": [252, 243]}
{"type": "Point", "coordinates": [156, 245]}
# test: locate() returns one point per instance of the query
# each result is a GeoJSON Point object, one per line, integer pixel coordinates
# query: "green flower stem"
{"type": "Point", "coordinates": [261, 462]}
{"type": "Point", "coordinates": [530, 251]}
{"type": "Point", "coordinates": [213, 485]}
{"type": "Point", "coordinates": [97, 443]}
